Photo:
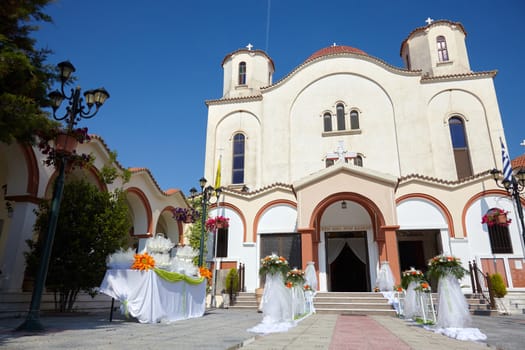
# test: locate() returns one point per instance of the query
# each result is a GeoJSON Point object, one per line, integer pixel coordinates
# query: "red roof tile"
{"type": "Point", "coordinates": [518, 162]}
{"type": "Point", "coordinates": [332, 50]}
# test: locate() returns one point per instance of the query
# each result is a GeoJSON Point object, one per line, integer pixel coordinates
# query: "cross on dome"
{"type": "Point", "coordinates": [334, 45]}
{"type": "Point", "coordinates": [429, 21]}
{"type": "Point", "coordinates": [249, 46]}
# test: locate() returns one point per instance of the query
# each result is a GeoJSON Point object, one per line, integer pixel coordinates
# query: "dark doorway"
{"type": "Point", "coordinates": [347, 272]}
{"type": "Point", "coordinates": [411, 255]}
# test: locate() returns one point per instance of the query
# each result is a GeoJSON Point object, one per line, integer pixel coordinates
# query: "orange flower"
{"type": "Point", "coordinates": [424, 285]}
{"type": "Point", "coordinates": [205, 272]}
{"type": "Point", "coordinates": [289, 284]}
{"type": "Point", "coordinates": [143, 262]}
{"type": "Point", "coordinates": [282, 259]}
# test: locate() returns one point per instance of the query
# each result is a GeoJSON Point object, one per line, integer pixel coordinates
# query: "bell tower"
{"type": "Point", "coordinates": [437, 49]}
{"type": "Point", "coordinates": [246, 71]}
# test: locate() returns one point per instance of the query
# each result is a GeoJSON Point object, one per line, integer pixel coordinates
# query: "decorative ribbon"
{"type": "Point", "coordinates": [177, 277]}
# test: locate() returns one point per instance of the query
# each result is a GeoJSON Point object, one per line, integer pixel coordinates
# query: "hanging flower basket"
{"type": "Point", "coordinates": [216, 223]}
{"type": "Point", "coordinates": [65, 143]}
{"type": "Point", "coordinates": [186, 215]}
{"type": "Point", "coordinates": [496, 216]}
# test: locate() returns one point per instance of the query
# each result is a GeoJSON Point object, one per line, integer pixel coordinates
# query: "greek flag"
{"type": "Point", "coordinates": [507, 168]}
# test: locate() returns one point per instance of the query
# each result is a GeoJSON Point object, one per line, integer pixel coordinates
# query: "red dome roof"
{"type": "Point", "coordinates": [331, 50]}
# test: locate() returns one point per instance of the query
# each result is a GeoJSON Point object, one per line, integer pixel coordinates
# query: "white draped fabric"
{"type": "Point", "coordinates": [276, 306]}
{"type": "Point", "coordinates": [452, 306]}
{"type": "Point", "coordinates": [310, 276]}
{"type": "Point", "coordinates": [336, 245]}
{"type": "Point", "coordinates": [385, 278]}
{"type": "Point", "coordinates": [453, 313]}
{"type": "Point", "coordinates": [151, 299]}
{"type": "Point", "coordinates": [411, 308]}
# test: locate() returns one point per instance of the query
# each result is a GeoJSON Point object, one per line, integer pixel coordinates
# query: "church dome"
{"type": "Point", "coordinates": [334, 50]}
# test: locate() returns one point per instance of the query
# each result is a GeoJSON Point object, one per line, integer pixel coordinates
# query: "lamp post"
{"type": "Point", "coordinates": [514, 187]}
{"type": "Point", "coordinates": [206, 194]}
{"type": "Point", "coordinates": [75, 111]}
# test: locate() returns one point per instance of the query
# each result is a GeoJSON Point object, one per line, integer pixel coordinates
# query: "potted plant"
{"type": "Point", "coordinates": [496, 216]}
{"type": "Point", "coordinates": [216, 223]}
{"type": "Point", "coordinates": [58, 144]}
{"type": "Point", "coordinates": [186, 215]}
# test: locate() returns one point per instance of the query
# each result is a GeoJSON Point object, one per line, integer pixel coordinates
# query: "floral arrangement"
{"type": "Point", "coordinates": [54, 154]}
{"type": "Point", "coordinates": [143, 262]}
{"type": "Point", "coordinates": [411, 275]}
{"type": "Point", "coordinates": [423, 287]}
{"type": "Point", "coordinates": [399, 289]}
{"type": "Point", "coordinates": [307, 288]}
{"type": "Point", "coordinates": [187, 215]}
{"type": "Point", "coordinates": [205, 272]}
{"type": "Point", "coordinates": [442, 265]}
{"type": "Point", "coordinates": [217, 222]}
{"type": "Point", "coordinates": [295, 277]}
{"type": "Point", "coordinates": [273, 264]}
{"type": "Point", "coordinates": [496, 216]}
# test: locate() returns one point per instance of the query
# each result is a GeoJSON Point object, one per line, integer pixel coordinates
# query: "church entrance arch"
{"type": "Point", "coordinates": [347, 261]}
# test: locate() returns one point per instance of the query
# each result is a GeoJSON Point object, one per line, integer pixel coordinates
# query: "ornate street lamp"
{"type": "Point", "coordinates": [514, 187]}
{"type": "Point", "coordinates": [206, 194]}
{"type": "Point", "coordinates": [75, 111]}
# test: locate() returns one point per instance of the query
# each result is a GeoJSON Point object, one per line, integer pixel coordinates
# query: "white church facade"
{"type": "Point", "coordinates": [348, 161]}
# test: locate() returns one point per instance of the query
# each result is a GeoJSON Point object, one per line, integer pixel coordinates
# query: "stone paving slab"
{"type": "Point", "coordinates": [226, 329]}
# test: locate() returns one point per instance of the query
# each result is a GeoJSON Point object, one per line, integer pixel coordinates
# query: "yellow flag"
{"type": "Point", "coordinates": [218, 174]}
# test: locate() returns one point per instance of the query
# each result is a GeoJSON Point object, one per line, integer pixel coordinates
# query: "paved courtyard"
{"type": "Point", "coordinates": [227, 329]}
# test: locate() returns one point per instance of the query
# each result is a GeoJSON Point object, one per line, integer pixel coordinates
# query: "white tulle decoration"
{"type": "Point", "coordinates": [452, 305]}
{"type": "Point", "coordinates": [185, 253]}
{"type": "Point", "coordinates": [385, 278]}
{"type": "Point", "coordinates": [121, 259]}
{"type": "Point", "coordinates": [276, 306]}
{"type": "Point", "coordinates": [411, 307]}
{"type": "Point", "coordinates": [453, 312]}
{"type": "Point", "coordinates": [162, 260]}
{"type": "Point", "coordinates": [183, 267]}
{"type": "Point", "coordinates": [310, 276]}
{"type": "Point", "coordinates": [159, 244]}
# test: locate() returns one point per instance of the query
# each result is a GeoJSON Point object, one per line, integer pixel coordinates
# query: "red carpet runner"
{"type": "Point", "coordinates": [362, 332]}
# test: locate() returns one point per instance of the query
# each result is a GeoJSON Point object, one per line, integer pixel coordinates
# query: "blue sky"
{"type": "Point", "coordinates": [161, 60]}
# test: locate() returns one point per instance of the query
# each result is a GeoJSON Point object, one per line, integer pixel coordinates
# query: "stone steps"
{"type": "Point", "coordinates": [363, 303]}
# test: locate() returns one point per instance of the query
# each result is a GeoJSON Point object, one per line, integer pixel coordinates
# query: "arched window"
{"type": "Point", "coordinates": [442, 48]}
{"type": "Point", "coordinates": [327, 122]}
{"type": "Point", "coordinates": [340, 117]}
{"type": "Point", "coordinates": [354, 120]}
{"type": "Point", "coordinates": [499, 235]}
{"type": "Point", "coordinates": [242, 73]}
{"type": "Point", "coordinates": [358, 161]}
{"type": "Point", "coordinates": [238, 159]}
{"type": "Point", "coordinates": [460, 147]}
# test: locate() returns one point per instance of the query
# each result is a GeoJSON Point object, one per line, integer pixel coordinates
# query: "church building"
{"type": "Point", "coordinates": [349, 161]}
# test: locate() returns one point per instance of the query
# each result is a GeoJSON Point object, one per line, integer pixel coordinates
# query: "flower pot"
{"type": "Point", "coordinates": [65, 143]}
{"type": "Point", "coordinates": [501, 219]}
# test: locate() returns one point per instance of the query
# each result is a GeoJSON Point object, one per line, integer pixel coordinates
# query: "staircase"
{"type": "Point", "coordinates": [362, 303]}
{"type": "Point", "coordinates": [515, 303]}
{"type": "Point", "coordinates": [333, 303]}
